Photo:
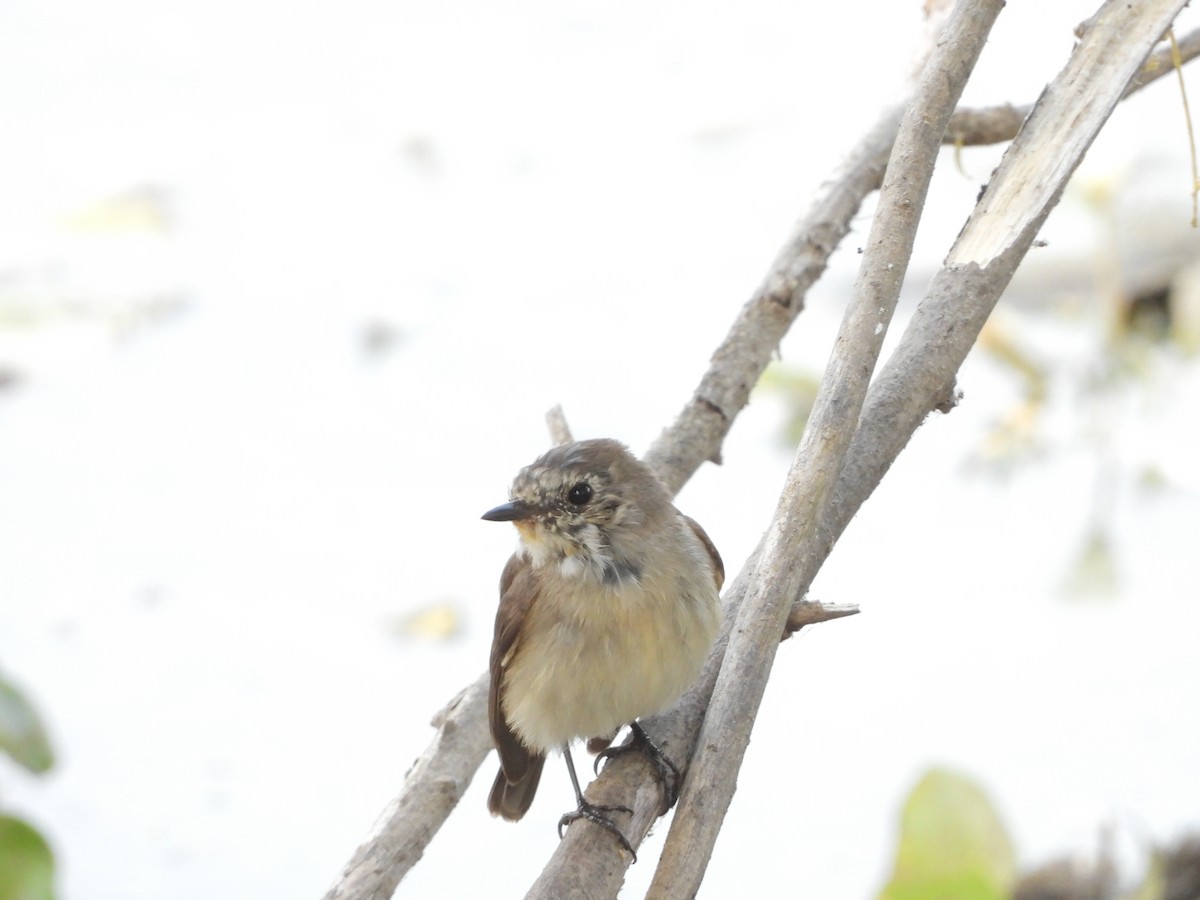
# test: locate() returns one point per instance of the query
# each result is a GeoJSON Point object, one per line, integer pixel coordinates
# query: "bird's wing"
{"type": "Point", "coordinates": [518, 590]}
{"type": "Point", "coordinates": [718, 566]}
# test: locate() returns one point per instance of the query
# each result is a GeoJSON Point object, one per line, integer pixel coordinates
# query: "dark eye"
{"type": "Point", "coordinates": [579, 494]}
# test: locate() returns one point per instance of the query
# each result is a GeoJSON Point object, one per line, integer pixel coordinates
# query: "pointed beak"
{"type": "Point", "coordinates": [513, 511]}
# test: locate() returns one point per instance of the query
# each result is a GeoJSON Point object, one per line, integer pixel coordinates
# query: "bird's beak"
{"type": "Point", "coordinates": [513, 511]}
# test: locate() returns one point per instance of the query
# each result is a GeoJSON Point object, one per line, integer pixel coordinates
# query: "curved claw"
{"type": "Point", "coordinates": [639, 741]}
{"type": "Point", "coordinates": [636, 741]}
{"type": "Point", "coordinates": [592, 813]}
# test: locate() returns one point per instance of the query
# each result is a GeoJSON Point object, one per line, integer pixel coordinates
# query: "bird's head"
{"type": "Point", "coordinates": [582, 506]}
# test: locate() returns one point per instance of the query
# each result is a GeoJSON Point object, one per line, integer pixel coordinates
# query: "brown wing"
{"type": "Point", "coordinates": [520, 768]}
{"type": "Point", "coordinates": [718, 566]}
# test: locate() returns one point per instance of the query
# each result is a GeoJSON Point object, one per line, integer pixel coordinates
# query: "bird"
{"type": "Point", "coordinates": [608, 609]}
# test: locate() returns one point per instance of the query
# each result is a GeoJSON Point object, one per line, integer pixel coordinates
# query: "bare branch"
{"type": "Point", "coordinates": [433, 787]}
{"type": "Point", "coordinates": [989, 125]}
{"type": "Point", "coordinates": [699, 430]}
{"type": "Point", "coordinates": [995, 124]}
{"type": "Point", "coordinates": [1161, 62]}
{"type": "Point", "coordinates": [919, 376]}
{"type": "Point", "coordinates": [791, 553]}
{"type": "Point", "coordinates": [810, 612]}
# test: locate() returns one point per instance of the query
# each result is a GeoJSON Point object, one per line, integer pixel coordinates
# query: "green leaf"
{"type": "Point", "coordinates": [22, 734]}
{"type": "Point", "coordinates": [26, 862]}
{"type": "Point", "coordinates": [952, 844]}
{"type": "Point", "coordinates": [1154, 884]}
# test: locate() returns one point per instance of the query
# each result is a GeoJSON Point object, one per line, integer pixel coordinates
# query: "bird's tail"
{"type": "Point", "coordinates": [511, 799]}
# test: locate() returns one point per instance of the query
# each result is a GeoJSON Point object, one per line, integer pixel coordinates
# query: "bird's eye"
{"type": "Point", "coordinates": [579, 494]}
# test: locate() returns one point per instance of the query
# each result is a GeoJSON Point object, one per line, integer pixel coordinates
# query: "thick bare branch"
{"type": "Point", "coordinates": [435, 784]}
{"type": "Point", "coordinates": [791, 551]}
{"type": "Point", "coordinates": [919, 376]}
{"type": "Point", "coordinates": [996, 124]}
{"type": "Point", "coordinates": [699, 430]}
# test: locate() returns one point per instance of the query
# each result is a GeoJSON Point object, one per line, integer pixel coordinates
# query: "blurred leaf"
{"type": "Point", "coordinates": [22, 734]}
{"type": "Point", "coordinates": [1185, 308]}
{"type": "Point", "coordinates": [952, 844]}
{"type": "Point", "coordinates": [1013, 439]}
{"type": "Point", "coordinates": [798, 389]}
{"type": "Point", "coordinates": [1094, 572]}
{"type": "Point", "coordinates": [1000, 342]}
{"type": "Point", "coordinates": [145, 208]}
{"type": "Point", "coordinates": [1152, 479]}
{"type": "Point", "coordinates": [26, 862]}
{"type": "Point", "coordinates": [1016, 436]}
{"type": "Point", "coordinates": [1154, 885]}
{"type": "Point", "coordinates": [435, 622]}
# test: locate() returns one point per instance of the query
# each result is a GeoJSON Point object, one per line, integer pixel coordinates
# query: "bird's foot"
{"type": "Point", "coordinates": [668, 774]}
{"type": "Point", "coordinates": [594, 813]}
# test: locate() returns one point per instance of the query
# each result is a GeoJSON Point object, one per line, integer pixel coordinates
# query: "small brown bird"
{"type": "Point", "coordinates": [608, 610]}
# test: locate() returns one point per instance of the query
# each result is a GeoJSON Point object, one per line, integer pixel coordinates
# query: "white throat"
{"type": "Point", "coordinates": [586, 555]}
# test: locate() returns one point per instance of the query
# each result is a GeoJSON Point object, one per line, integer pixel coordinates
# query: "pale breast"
{"type": "Point", "coordinates": [593, 657]}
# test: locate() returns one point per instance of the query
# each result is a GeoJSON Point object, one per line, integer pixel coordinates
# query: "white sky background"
{"type": "Point", "coordinates": [210, 521]}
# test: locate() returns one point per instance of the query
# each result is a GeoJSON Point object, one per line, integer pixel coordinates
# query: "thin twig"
{"type": "Point", "coordinates": [810, 612]}
{"type": "Point", "coordinates": [556, 421]}
{"type": "Point", "coordinates": [1177, 64]}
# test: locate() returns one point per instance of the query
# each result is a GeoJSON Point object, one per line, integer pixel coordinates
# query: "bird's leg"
{"type": "Point", "coordinates": [668, 774]}
{"type": "Point", "coordinates": [591, 811]}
